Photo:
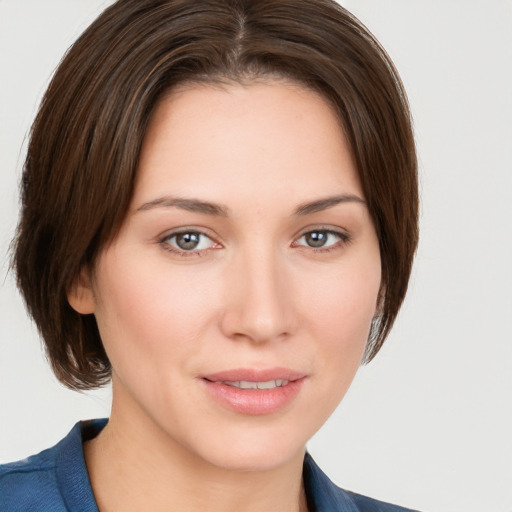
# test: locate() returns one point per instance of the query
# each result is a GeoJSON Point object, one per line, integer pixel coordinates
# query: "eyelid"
{"type": "Point", "coordinates": [188, 229]}
{"type": "Point", "coordinates": [336, 230]}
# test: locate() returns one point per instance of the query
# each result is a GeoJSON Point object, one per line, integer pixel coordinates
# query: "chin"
{"type": "Point", "coordinates": [258, 460]}
{"type": "Point", "coordinates": [254, 452]}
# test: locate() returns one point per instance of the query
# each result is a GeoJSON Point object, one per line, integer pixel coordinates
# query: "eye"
{"type": "Point", "coordinates": [321, 239]}
{"type": "Point", "coordinates": [188, 241]}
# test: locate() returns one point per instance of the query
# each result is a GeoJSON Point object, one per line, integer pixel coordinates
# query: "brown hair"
{"type": "Point", "coordinates": [85, 142]}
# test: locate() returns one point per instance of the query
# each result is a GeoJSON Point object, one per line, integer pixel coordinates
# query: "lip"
{"type": "Point", "coordinates": [254, 401]}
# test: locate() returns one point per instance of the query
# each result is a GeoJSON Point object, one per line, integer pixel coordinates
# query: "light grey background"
{"type": "Point", "coordinates": [428, 424]}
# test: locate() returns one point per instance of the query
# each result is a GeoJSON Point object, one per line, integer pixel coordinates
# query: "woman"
{"type": "Point", "coordinates": [220, 215]}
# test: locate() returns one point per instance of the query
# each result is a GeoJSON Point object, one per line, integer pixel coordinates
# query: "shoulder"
{"type": "Point", "coordinates": [325, 496]}
{"type": "Point", "coordinates": [54, 480]}
{"type": "Point", "coordinates": [30, 484]}
{"type": "Point", "coordinates": [365, 504]}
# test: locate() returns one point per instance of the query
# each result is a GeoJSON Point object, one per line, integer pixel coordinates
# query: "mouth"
{"type": "Point", "coordinates": [274, 377]}
{"type": "Point", "coordinates": [254, 392]}
{"type": "Point", "coordinates": [247, 384]}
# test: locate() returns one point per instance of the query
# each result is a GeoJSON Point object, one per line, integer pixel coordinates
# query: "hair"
{"type": "Point", "coordinates": [86, 140]}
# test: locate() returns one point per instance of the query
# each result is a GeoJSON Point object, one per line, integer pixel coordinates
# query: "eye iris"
{"type": "Point", "coordinates": [316, 238]}
{"type": "Point", "coordinates": [187, 241]}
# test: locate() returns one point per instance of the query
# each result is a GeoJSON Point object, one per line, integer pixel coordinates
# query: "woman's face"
{"type": "Point", "coordinates": [247, 259]}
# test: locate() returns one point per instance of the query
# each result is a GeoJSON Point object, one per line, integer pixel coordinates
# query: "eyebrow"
{"type": "Point", "coordinates": [191, 205]}
{"type": "Point", "coordinates": [208, 208]}
{"type": "Point", "coordinates": [325, 203]}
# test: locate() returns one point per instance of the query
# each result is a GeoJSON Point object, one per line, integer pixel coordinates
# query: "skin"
{"type": "Point", "coordinates": [254, 294]}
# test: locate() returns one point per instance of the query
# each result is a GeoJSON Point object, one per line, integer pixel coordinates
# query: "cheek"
{"type": "Point", "coordinates": [340, 313]}
{"type": "Point", "coordinates": [124, 306]}
{"type": "Point", "coordinates": [344, 304]}
{"type": "Point", "coordinates": [145, 312]}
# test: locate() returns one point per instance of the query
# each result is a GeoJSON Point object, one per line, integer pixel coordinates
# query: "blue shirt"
{"type": "Point", "coordinates": [56, 480]}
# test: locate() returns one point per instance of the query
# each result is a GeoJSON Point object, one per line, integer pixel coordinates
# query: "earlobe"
{"type": "Point", "coordinates": [80, 293]}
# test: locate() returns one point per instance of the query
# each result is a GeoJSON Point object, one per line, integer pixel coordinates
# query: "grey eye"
{"type": "Point", "coordinates": [320, 239]}
{"type": "Point", "coordinates": [188, 241]}
{"type": "Point", "coordinates": [316, 238]}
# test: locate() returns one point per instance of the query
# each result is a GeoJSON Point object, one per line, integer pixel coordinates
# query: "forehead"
{"type": "Point", "coordinates": [264, 139]}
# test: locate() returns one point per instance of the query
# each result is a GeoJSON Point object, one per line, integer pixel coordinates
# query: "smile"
{"type": "Point", "coordinates": [254, 391]}
{"type": "Point", "coordinates": [246, 384]}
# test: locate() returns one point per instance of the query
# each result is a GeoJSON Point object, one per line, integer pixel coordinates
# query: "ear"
{"type": "Point", "coordinates": [80, 293]}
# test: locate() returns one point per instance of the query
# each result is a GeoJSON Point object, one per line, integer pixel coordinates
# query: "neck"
{"type": "Point", "coordinates": [134, 465]}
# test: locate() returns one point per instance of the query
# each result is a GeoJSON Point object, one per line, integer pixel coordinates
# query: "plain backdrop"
{"type": "Point", "coordinates": [428, 424]}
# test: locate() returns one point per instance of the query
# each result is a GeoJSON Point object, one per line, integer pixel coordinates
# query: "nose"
{"type": "Point", "coordinates": [259, 299]}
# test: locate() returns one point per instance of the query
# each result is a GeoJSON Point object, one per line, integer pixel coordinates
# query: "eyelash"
{"type": "Point", "coordinates": [344, 239]}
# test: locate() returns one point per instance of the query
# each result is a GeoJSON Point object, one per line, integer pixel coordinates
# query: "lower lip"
{"type": "Point", "coordinates": [254, 401]}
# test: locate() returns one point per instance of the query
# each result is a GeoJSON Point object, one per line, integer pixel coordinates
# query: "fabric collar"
{"type": "Point", "coordinates": [72, 477]}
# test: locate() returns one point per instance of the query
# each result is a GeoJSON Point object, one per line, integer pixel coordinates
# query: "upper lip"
{"type": "Point", "coordinates": [254, 375]}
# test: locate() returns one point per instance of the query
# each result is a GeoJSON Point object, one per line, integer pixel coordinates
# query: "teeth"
{"type": "Point", "coordinates": [245, 384]}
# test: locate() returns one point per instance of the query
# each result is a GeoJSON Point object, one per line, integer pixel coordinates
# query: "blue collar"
{"type": "Point", "coordinates": [71, 471]}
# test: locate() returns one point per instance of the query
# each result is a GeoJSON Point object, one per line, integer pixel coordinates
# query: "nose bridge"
{"type": "Point", "coordinates": [259, 306]}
